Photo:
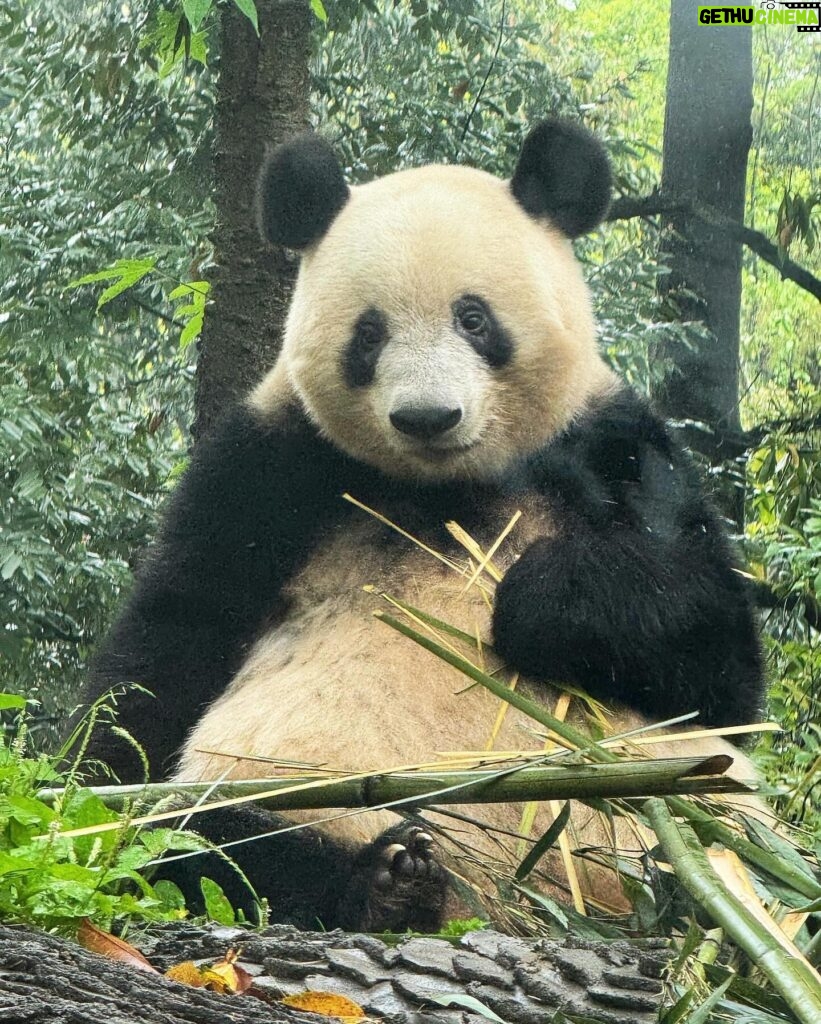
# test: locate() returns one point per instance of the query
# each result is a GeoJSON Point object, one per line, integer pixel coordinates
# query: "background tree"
{"type": "Point", "coordinates": [262, 98]}
{"type": "Point", "coordinates": [707, 135]}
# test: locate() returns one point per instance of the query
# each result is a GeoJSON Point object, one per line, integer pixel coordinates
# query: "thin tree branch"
{"type": "Point", "coordinates": [490, 68]}
{"type": "Point", "coordinates": [626, 207]}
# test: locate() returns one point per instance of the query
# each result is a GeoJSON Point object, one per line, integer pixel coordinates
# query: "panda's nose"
{"type": "Point", "coordinates": [425, 421]}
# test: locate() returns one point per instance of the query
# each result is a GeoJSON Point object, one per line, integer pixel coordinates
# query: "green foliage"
{"type": "Point", "coordinates": [785, 533]}
{"type": "Point", "coordinates": [217, 906]}
{"type": "Point", "coordinates": [319, 10]}
{"type": "Point", "coordinates": [95, 407]}
{"type": "Point", "coordinates": [52, 881]}
{"type": "Point", "coordinates": [123, 274]}
{"type": "Point", "coordinates": [795, 218]}
{"type": "Point", "coordinates": [412, 83]}
{"type": "Point", "coordinates": [173, 42]}
{"type": "Point", "coordinates": [457, 927]}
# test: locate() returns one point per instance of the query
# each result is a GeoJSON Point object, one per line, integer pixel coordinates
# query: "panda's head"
{"type": "Point", "coordinates": [440, 327]}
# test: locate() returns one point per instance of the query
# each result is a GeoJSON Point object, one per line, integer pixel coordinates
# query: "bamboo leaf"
{"type": "Point", "coordinates": [543, 844]}
{"type": "Point", "coordinates": [124, 273]}
{"type": "Point", "coordinates": [195, 11]}
{"type": "Point", "coordinates": [319, 10]}
{"type": "Point", "coordinates": [701, 1013]}
{"type": "Point", "coordinates": [469, 1003]}
{"type": "Point", "coordinates": [249, 9]}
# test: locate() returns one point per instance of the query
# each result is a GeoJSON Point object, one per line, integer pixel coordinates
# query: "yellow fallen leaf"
{"type": "Point", "coordinates": [186, 973]}
{"type": "Point", "coordinates": [227, 975]}
{"type": "Point", "coordinates": [326, 1003]}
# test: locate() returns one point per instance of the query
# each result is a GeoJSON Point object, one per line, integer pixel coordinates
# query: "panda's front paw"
{"type": "Point", "coordinates": [400, 864]}
{"type": "Point", "coordinates": [397, 884]}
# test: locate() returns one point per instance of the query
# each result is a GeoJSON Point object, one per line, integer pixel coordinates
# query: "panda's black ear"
{"type": "Point", "coordinates": [563, 173]}
{"type": "Point", "coordinates": [299, 192]}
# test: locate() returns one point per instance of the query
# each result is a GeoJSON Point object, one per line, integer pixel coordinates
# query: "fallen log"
{"type": "Point", "coordinates": [48, 980]}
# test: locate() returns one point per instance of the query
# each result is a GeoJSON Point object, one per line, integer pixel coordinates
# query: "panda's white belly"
{"type": "Point", "coordinates": [334, 686]}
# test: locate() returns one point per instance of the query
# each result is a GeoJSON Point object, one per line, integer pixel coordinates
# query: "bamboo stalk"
{"type": "Point", "coordinates": [626, 779]}
{"type": "Point", "coordinates": [791, 976]}
{"type": "Point", "coordinates": [711, 830]}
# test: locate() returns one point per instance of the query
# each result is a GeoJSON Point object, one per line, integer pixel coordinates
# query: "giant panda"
{"type": "Point", "coordinates": [439, 363]}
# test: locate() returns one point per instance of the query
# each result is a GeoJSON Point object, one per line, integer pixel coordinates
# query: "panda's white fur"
{"type": "Point", "coordinates": [329, 684]}
{"type": "Point", "coordinates": [411, 243]}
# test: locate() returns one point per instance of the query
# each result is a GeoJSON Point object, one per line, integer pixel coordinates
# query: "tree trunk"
{"type": "Point", "coordinates": [47, 980]}
{"type": "Point", "coordinates": [262, 98]}
{"type": "Point", "coordinates": [707, 134]}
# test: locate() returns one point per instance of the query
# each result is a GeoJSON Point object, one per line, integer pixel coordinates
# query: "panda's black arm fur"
{"type": "Point", "coordinates": [636, 598]}
{"type": "Point", "coordinates": [240, 523]}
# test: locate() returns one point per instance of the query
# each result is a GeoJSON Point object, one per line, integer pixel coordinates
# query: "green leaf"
{"type": "Point", "coordinates": [319, 10]}
{"type": "Point", "coordinates": [702, 1012]}
{"type": "Point", "coordinates": [217, 904]}
{"type": "Point", "coordinates": [542, 845]}
{"type": "Point", "coordinates": [169, 895]}
{"type": "Point", "coordinates": [160, 840]}
{"type": "Point", "coordinates": [10, 564]}
{"type": "Point", "coordinates": [688, 947]}
{"type": "Point", "coordinates": [195, 11]}
{"type": "Point", "coordinates": [557, 913]}
{"type": "Point", "coordinates": [470, 1003]}
{"type": "Point", "coordinates": [678, 1010]}
{"type": "Point", "coordinates": [11, 700]}
{"type": "Point", "coordinates": [249, 9]}
{"type": "Point", "coordinates": [194, 310]}
{"type": "Point", "coordinates": [124, 274]}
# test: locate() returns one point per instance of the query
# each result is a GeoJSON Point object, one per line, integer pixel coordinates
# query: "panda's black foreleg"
{"type": "Point", "coordinates": [660, 634]}
{"type": "Point", "coordinates": [311, 881]}
{"type": "Point", "coordinates": [302, 874]}
{"type": "Point", "coordinates": [242, 520]}
{"type": "Point", "coordinates": [637, 597]}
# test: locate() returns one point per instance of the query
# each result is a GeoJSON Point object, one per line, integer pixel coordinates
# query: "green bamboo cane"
{"type": "Point", "coordinates": [523, 783]}
{"type": "Point", "coordinates": [793, 978]}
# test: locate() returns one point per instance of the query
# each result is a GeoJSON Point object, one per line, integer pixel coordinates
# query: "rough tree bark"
{"type": "Point", "coordinates": [707, 135]}
{"type": "Point", "coordinates": [262, 98]}
{"type": "Point", "coordinates": [47, 980]}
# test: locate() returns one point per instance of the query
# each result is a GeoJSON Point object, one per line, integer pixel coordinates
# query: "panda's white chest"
{"type": "Point", "coordinates": [333, 685]}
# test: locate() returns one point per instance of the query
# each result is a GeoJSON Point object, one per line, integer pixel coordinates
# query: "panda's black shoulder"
{"type": "Point", "coordinates": [618, 462]}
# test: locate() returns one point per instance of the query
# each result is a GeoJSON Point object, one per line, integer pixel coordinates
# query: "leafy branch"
{"type": "Point", "coordinates": [627, 207]}
{"type": "Point", "coordinates": [127, 273]}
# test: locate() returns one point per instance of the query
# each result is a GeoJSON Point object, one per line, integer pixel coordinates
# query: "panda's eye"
{"type": "Point", "coordinates": [472, 319]}
{"type": "Point", "coordinates": [476, 321]}
{"type": "Point", "coordinates": [370, 335]}
{"type": "Point", "coordinates": [361, 354]}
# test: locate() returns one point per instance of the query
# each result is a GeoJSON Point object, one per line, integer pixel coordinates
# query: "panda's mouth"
{"type": "Point", "coordinates": [441, 452]}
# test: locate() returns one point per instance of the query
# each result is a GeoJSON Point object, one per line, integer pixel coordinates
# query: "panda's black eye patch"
{"type": "Point", "coordinates": [368, 338]}
{"type": "Point", "coordinates": [474, 320]}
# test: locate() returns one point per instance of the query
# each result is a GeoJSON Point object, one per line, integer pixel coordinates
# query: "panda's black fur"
{"type": "Point", "coordinates": [635, 597]}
